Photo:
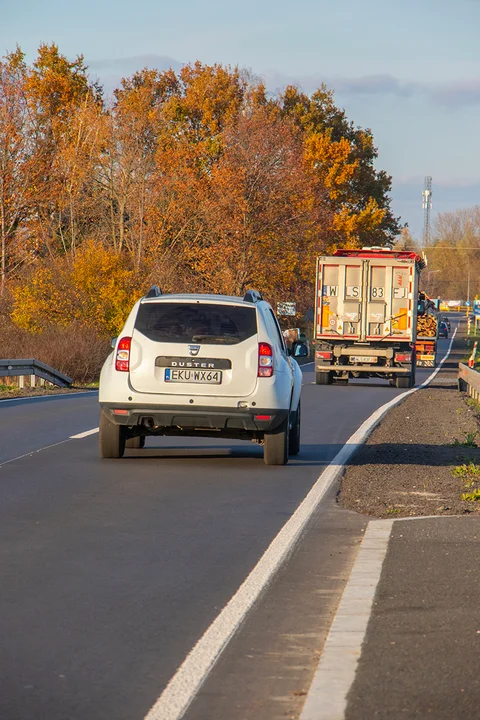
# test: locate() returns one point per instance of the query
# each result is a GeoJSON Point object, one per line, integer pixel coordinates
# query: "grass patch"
{"type": "Point", "coordinates": [7, 388]}
{"type": "Point", "coordinates": [468, 473]}
{"type": "Point", "coordinates": [472, 496]}
{"type": "Point", "coordinates": [469, 440]}
{"type": "Point", "coordinates": [392, 510]}
{"type": "Point", "coordinates": [473, 404]}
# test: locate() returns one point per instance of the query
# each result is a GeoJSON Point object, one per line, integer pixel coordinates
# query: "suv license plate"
{"type": "Point", "coordinates": [363, 359]}
{"type": "Point", "coordinates": [209, 377]}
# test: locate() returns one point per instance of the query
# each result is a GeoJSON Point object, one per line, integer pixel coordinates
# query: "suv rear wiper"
{"type": "Point", "coordinates": [219, 338]}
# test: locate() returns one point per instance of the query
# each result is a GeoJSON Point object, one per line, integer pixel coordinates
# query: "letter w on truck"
{"type": "Point", "coordinates": [366, 307]}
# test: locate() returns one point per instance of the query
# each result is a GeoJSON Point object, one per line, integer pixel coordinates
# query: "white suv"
{"type": "Point", "coordinates": [201, 365]}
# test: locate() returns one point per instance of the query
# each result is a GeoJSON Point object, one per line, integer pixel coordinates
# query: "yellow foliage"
{"type": "Point", "coordinates": [352, 225]}
{"type": "Point", "coordinates": [97, 288]}
{"type": "Point", "coordinates": [330, 160]}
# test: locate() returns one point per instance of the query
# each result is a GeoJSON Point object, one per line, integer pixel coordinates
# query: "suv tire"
{"type": "Point", "coordinates": [294, 439]}
{"type": "Point", "coordinates": [111, 438]}
{"type": "Point", "coordinates": [276, 445]}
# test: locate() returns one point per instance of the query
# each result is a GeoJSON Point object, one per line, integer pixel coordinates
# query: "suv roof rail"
{"type": "Point", "coordinates": [154, 292]}
{"type": "Point", "coordinates": [252, 296]}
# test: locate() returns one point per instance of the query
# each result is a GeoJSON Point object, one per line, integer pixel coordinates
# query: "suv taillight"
{"type": "Point", "coordinates": [122, 358]}
{"type": "Point", "coordinates": [265, 360]}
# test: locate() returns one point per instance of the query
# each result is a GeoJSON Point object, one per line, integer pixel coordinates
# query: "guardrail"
{"type": "Point", "coordinates": [33, 368]}
{"type": "Point", "coordinates": [469, 381]}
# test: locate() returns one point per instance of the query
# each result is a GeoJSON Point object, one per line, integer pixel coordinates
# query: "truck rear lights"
{"type": "Point", "coordinates": [403, 357]}
{"type": "Point", "coordinates": [122, 358]}
{"type": "Point", "coordinates": [323, 354]}
{"type": "Point", "coordinates": [265, 360]}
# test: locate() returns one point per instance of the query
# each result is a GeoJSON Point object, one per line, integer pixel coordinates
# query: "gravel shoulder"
{"type": "Point", "coordinates": [407, 466]}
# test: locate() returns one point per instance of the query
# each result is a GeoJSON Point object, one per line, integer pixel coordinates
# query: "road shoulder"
{"type": "Point", "coordinates": [419, 658]}
{"type": "Point", "coordinates": [413, 462]}
{"type": "Point", "coordinates": [277, 649]}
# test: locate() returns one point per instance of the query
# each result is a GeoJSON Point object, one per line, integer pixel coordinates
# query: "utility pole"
{"type": "Point", "coordinates": [427, 206]}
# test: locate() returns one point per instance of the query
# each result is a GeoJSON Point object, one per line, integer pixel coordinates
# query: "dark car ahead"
{"type": "Point", "coordinates": [443, 330]}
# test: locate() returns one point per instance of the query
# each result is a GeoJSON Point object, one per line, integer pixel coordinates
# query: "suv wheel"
{"type": "Point", "coordinates": [111, 438]}
{"type": "Point", "coordinates": [294, 439]}
{"type": "Point", "coordinates": [276, 445]}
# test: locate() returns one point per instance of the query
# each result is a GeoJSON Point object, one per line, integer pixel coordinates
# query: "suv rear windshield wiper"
{"type": "Point", "coordinates": [220, 339]}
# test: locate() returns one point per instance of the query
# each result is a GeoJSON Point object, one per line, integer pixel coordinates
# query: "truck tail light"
{"type": "Point", "coordinates": [323, 354]}
{"type": "Point", "coordinates": [403, 357]}
{"type": "Point", "coordinates": [122, 358]}
{"type": "Point", "coordinates": [265, 360]}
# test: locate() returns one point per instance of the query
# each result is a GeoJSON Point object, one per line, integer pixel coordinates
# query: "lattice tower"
{"type": "Point", "coordinates": [427, 206]}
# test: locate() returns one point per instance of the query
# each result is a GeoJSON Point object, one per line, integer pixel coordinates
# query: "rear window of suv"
{"type": "Point", "coordinates": [208, 324]}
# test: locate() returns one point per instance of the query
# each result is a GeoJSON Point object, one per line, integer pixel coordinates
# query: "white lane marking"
{"type": "Point", "coordinates": [84, 434]}
{"type": "Point", "coordinates": [192, 673]}
{"type": "Point", "coordinates": [47, 447]}
{"type": "Point", "coordinates": [53, 395]}
{"type": "Point", "coordinates": [327, 697]}
{"type": "Point", "coordinates": [32, 452]}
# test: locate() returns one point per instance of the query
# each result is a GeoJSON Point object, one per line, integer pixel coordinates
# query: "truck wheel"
{"type": "Point", "coordinates": [275, 450]}
{"type": "Point", "coordinates": [111, 438]}
{"type": "Point", "coordinates": [323, 378]}
{"type": "Point", "coordinates": [405, 381]}
{"type": "Point", "coordinates": [135, 443]}
{"type": "Point", "coordinates": [294, 439]}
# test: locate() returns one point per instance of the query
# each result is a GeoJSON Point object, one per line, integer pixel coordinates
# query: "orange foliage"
{"type": "Point", "coordinates": [198, 178]}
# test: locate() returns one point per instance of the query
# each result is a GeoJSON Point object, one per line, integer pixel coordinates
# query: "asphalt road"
{"type": "Point", "coordinates": [113, 569]}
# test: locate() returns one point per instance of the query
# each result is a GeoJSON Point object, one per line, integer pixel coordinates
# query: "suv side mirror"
{"type": "Point", "coordinates": [113, 342]}
{"type": "Point", "coordinates": [421, 307]}
{"type": "Point", "coordinates": [300, 350]}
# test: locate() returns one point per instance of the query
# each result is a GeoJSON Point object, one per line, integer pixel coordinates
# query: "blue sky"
{"type": "Point", "coordinates": [407, 69]}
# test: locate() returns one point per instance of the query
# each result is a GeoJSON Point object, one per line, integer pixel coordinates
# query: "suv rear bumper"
{"type": "Point", "coordinates": [155, 418]}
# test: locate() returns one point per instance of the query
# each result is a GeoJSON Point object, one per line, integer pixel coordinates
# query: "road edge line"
{"type": "Point", "coordinates": [335, 673]}
{"type": "Point", "coordinates": [47, 395]}
{"type": "Point", "coordinates": [84, 434]}
{"type": "Point", "coordinates": [194, 670]}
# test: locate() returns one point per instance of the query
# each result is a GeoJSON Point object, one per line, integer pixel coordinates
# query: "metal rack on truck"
{"type": "Point", "coordinates": [366, 308]}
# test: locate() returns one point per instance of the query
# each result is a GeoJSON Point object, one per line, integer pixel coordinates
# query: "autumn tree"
{"type": "Point", "coordinates": [198, 179]}
{"type": "Point", "coordinates": [454, 255]}
{"type": "Point", "coordinates": [18, 169]}
{"type": "Point", "coordinates": [345, 156]}
{"type": "Point", "coordinates": [65, 107]}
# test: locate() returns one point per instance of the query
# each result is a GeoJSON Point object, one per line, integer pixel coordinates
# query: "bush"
{"type": "Point", "coordinates": [75, 350]}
